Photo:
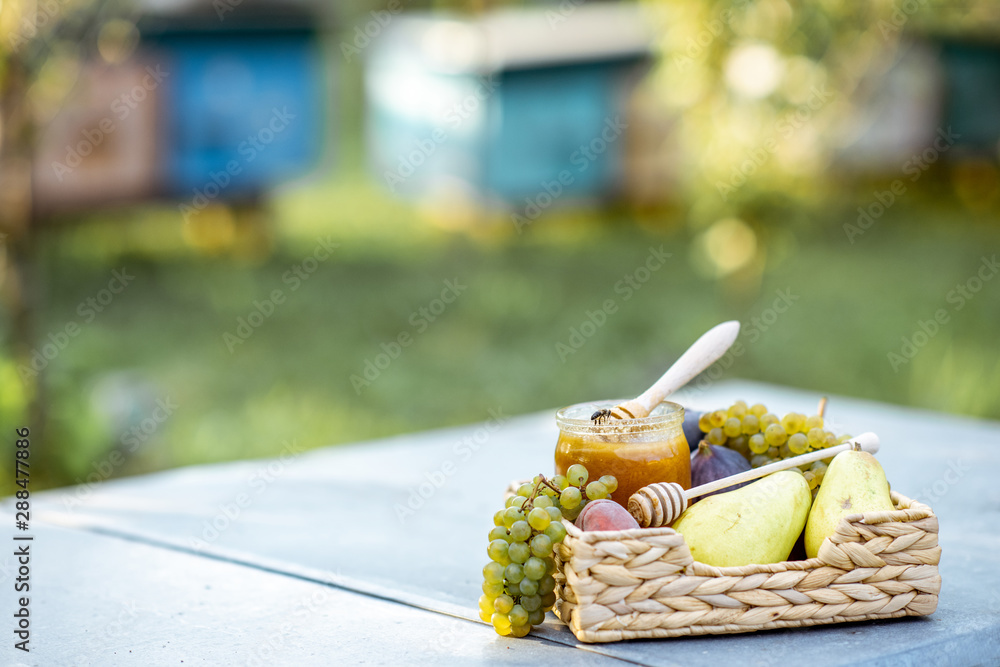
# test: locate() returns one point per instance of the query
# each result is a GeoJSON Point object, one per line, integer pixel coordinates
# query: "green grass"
{"type": "Point", "coordinates": [495, 346]}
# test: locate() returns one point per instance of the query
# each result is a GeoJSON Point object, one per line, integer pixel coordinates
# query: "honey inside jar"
{"type": "Point", "coordinates": [636, 451]}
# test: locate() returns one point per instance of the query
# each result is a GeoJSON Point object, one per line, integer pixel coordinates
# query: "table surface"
{"type": "Point", "coordinates": [309, 559]}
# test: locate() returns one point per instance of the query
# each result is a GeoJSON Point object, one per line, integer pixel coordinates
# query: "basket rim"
{"type": "Point", "coordinates": [907, 511]}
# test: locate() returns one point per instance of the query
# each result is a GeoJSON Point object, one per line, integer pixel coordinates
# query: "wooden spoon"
{"type": "Point", "coordinates": [662, 503]}
{"type": "Point", "coordinates": [703, 353]}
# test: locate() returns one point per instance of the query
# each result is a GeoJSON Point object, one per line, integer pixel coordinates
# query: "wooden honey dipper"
{"type": "Point", "coordinates": [703, 353]}
{"type": "Point", "coordinates": [660, 504]}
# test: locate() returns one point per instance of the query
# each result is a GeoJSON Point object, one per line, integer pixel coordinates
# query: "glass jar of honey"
{"type": "Point", "coordinates": [636, 451]}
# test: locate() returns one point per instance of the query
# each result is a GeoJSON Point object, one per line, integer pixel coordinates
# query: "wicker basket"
{"type": "Point", "coordinates": [641, 584]}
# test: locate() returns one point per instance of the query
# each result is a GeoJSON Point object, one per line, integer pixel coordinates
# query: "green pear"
{"type": "Point", "coordinates": [854, 483]}
{"type": "Point", "coordinates": [758, 523]}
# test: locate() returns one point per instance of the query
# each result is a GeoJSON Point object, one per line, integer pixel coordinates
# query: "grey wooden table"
{"type": "Point", "coordinates": [371, 554]}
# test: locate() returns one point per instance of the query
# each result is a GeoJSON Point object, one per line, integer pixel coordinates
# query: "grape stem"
{"type": "Point", "coordinates": [822, 407]}
{"type": "Point", "coordinates": [529, 504]}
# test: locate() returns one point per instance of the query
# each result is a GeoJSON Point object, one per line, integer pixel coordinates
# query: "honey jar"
{"type": "Point", "coordinates": [636, 451]}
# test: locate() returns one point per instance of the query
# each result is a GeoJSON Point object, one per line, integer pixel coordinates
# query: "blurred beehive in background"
{"type": "Point", "coordinates": [505, 106]}
{"type": "Point", "coordinates": [215, 105]}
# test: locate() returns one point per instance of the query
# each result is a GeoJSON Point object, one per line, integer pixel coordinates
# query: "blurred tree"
{"type": "Point", "coordinates": [41, 46]}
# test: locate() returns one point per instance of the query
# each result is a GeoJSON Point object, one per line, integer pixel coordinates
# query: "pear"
{"type": "Point", "coordinates": [758, 523]}
{"type": "Point", "coordinates": [854, 483]}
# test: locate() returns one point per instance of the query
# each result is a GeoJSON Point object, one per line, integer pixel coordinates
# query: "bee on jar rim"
{"type": "Point", "coordinates": [601, 416]}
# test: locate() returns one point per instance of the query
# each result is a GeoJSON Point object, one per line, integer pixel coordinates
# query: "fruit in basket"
{"type": "Point", "coordinates": [712, 462]}
{"type": "Point", "coordinates": [518, 586]}
{"type": "Point", "coordinates": [853, 483]}
{"type": "Point", "coordinates": [605, 515]}
{"type": "Point", "coordinates": [756, 524]}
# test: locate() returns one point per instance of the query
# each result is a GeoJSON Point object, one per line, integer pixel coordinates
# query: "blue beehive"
{"type": "Point", "coordinates": [242, 103]}
{"type": "Point", "coordinates": [506, 107]}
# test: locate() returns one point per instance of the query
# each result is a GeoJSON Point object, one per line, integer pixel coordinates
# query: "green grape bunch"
{"type": "Point", "coordinates": [762, 438]}
{"type": "Point", "coordinates": [518, 582]}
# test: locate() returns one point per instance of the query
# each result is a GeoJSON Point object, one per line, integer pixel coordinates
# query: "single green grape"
{"type": "Point", "coordinates": [737, 410]}
{"type": "Point", "coordinates": [716, 436]}
{"type": "Point", "coordinates": [843, 437]}
{"type": "Point", "coordinates": [596, 491]}
{"type": "Point", "coordinates": [703, 422]}
{"type": "Point", "coordinates": [798, 443]}
{"type": "Point", "coordinates": [539, 519]}
{"type": "Point", "coordinates": [733, 427]}
{"type": "Point", "coordinates": [570, 514]}
{"type": "Point", "coordinates": [560, 481]}
{"type": "Point", "coordinates": [518, 502]}
{"type": "Point", "coordinates": [554, 513]}
{"type": "Point", "coordinates": [491, 590]}
{"type": "Point", "coordinates": [497, 550]}
{"type": "Point", "coordinates": [811, 479]}
{"type": "Point", "coordinates": [486, 603]}
{"type": "Point", "coordinates": [784, 452]}
{"type": "Point", "coordinates": [544, 501]}
{"type": "Point", "coordinates": [512, 515]}
{"type": "Point", "coordinates": [548, 601]}
{"type": "Point", "coordinates": [791, 422]}
{"type": "Point", "coordinates": [751, 425]}
{"type": "Point", "coordinates": [518, 615]}
{"type": "Point", "coordinates": [609, 482]}
{"type": "Point", "coordinates": [546, 585]}
{"type": "Point", "coordinates": [758, 460]}
{"type": "Point", "coordinates": [815, 421]}
{"type": "Point", "coordinates": [757, 443]}
{"type": "Point", "coordinates": [498, 518]}
{"type": "Point", "coordinates": [536, 617]}
{"type": "Point", "coordinates": [501, 624]}
{"type": "Point", "coordinates": [556, 532]}
{"type": "Point", "coordinates": [520, 531]}
{"type": "Point", "coordinates": [817, 437]}
{"type": "Point", "coordinates": [758, 410]}
{"type": "Point", "coordinates": [775, 436]}
{"type": "Point", "coordinates": [773, 453]}
{"type": "Point", "coordinates": [717, 418]}
{"type": "Point", "coordinates": [520, 630]}
{"type": "Point", "coordinates": [570, 497]}
{"type": "Point", "coordinates": [525, 489]}
{"type": "Point", "coordinates": [534, 568]}
{"type": "Point", "coordinates": [485, 616]}
{"type": "Point", "coordinates": [514, 573]}
{"type": "Point", "coordinates": [767, 419]}
{"type": "Point", "coordinates": [541, 546]}
{"type": "Point", "coordinates": [577, 474]}
{"type": "Point", "coordinates": [738, 444]}
{"type": "Point", "coordinates": [503, 604]}
{"type": "Point", "coordinates": [499, 533]}
{"type": "Point", "coordinates": [528, 586]}
{"type": "Point", "coordinates": [531, 602]}
{"type": "Point", "coordinates": [831, 440]}
{"type": "Point", "coordinates": [519, 552]}
{"type": "Point", "coordinates": [493, 572]}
